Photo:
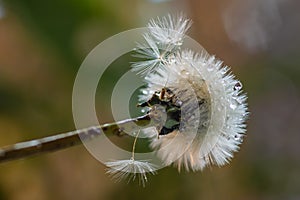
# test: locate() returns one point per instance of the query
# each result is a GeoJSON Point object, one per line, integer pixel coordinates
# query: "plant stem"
{"type": "Point", "coordinates": [69, 139]}
{"type": "Point", "coordinates": [134, 143]}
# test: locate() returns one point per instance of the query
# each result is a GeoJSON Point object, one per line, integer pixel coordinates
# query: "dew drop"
{"type": "Point", "coordinates": [210, 68]}
{"type": "Point", "coordinates": [185, 73]}
{"type": "Point", "coordinates": [168, 40]}
{"type": "Point", "coordinates": [144, 91]}
{"type": "Point", "coordinates": [245, 114]}
{"type": "Point", "coordinates": [228, 117]}
{"type": "Point", "coordinates": [185, 57]}
{"type": "Point", "coordinates": [205, 124]}
{"type": "Point", "coordinates": [172, 60]}
{"type": "Point", "coordinates": [179, 42]}
{"type": "Point", "coordinates": [233, 105]}
{"type": "Point", "coordinates": [179, 103]}
{"type": "Point", "coordinates": [238, 86]}
{"type": "Point", "coordinates": [238, 138]}
{"type": "Point", "coordinates": [223, 71]}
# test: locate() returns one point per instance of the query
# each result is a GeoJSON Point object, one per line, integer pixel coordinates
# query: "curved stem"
{"type": "Point", "coordinates": [69, 139]}
{"type": "Point", "coordinates": [134, 143]}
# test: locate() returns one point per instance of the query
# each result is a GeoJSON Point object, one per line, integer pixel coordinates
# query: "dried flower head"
{"type": "Point", "coordinates": [213, 109]}
{"type": "Point", "coordinates": [199, 106]}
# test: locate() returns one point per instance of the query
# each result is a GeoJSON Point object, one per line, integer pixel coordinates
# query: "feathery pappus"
{"type": "Point", "coordinates": [204, 106]}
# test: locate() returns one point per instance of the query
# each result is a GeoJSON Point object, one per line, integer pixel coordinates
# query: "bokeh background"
{"type": "Point", "coordinates": [42, 44]}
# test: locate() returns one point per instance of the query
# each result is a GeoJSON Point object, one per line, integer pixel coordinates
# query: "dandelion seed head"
{"type": "Point", "coordinates": [218, 114]}
{"type": "Point", "coordinates": [130, 169]}
{"type": "Point", "coordinates": [197, 106]}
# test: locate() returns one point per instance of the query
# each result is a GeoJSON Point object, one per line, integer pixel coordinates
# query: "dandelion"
{"type": "Point", "coordinates": [213, 112]}
{"type": "Point", "coordinates": [206, 108]}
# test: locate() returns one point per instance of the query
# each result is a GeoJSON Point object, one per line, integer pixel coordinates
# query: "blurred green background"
{"type": "Point", "coordinates": [42, 44]}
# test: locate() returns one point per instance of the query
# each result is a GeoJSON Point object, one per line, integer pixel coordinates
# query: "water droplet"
{"type": "Point", "coordinates": [179, 103]}
{"type": "Point", "coordinates": [185, 73]}
{"type": "Point", "coordinates": [228, 117]}
{"type": "Point", "coordinates": [179, 42]}
{"type": "Point", "coordinates": [238, 138]}
{"type": "Point", "coordinates": [205, 124]}
{"type": "Point", "coordinates": [233, 105]}
{"type": "Point", "coordinates": [185, 57]}
{"type": "Point", "coordinates": [172, 59]}
{"type": "Point", "coordinates": [210, 68]}
{"type": "Point", "coordinates": [223, 71]}
{"type": "Point", "coordinates": [238, 86]}
{"type": "Point", "coordinates": [144, 91]}
{"type": "Point", "coordinates": [168, 40]}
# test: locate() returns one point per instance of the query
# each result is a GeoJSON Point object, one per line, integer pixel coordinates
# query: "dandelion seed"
{"type": "Point", "coordinates": [164, 38]}
{"type": "Point", "coordinates": [131, 168]}
{"type": "Point", "coordinates": [169, 30]}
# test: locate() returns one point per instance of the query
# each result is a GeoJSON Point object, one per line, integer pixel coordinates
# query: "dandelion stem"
{"type": "Point", "coordinates": [69, 139]}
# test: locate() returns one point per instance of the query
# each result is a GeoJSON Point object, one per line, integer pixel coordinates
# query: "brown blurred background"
{"type": "Point", "coordinates": [42, 44]}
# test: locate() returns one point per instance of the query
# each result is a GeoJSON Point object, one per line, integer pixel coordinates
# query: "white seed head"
{"type": "Point", "coordinates": [130, 169]}
{"type": "Point", "coordinates": [213, 111]}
